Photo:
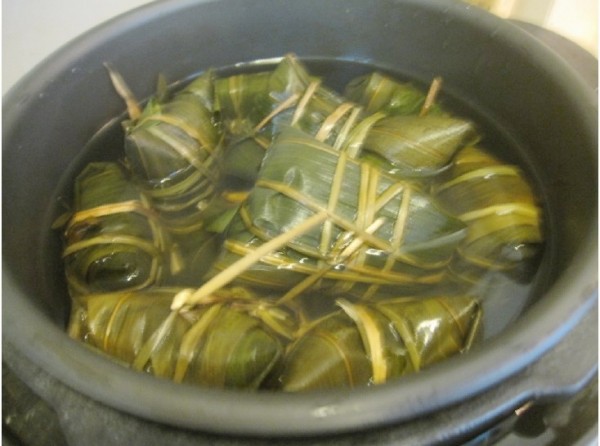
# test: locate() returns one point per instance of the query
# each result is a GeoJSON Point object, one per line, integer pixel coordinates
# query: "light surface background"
{"type": "Point", "coordinates": [574, 19]}
{"type": "Point", "coordinates": [33, 29]}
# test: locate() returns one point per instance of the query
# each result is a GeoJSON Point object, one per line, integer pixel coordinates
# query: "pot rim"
{"type": "Point", "coordinates": [225, 411]}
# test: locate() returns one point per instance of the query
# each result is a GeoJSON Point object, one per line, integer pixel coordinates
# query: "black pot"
{"type": "Point", "coordinates": [519, 89]}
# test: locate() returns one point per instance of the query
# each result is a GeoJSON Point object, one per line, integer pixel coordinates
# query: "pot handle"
{"type": "Point", "coordinates": [568, 367]}
{"type": "Point", "coordinates": [523, 405]}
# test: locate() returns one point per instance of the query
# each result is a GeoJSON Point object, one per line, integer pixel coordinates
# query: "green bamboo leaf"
{"type": "Point", "coordinates": [323, 114]}
{"type": "Point", "coordinates": [419, 145]}
{"type": "Point", "coordinates": [377, 92]}
{"type": "Point", "coordinates": [196, 253]}
{"type": "Point", "coordinates": [242, 162]}
{"type": "Point", "coordinates": [330, 355]}
{"type": "Point", "coordinates": [237, 353]}
{"type": "Point", "coordinates": [244, 101]}
{"type": "Point", "coordinates": [113, 241]}
{"type": "Point", "coordinates": [120, 324]}
{"type": "Point", "coordinates": [224, 342]}
{"type": "Point", "coordinates": [373, 343]}
{"type": "Point", "coordinates": [301, 176]}
{"type": "Point", "coordinates": [499, 207]}
{"type": "Point", "coordinates": [259, 105]}
{"type": "Point", "coordinates": [434, 328]}
{"type": "Point", "coordinates": [174, 151]}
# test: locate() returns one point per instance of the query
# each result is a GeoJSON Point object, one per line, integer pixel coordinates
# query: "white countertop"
{"type": "Point", "coordinates": [33, 29]}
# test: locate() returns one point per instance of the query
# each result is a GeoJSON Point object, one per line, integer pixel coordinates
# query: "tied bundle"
{"type": "Point", "coordinates": [411, 138]}
{"type": "Point", "coordinates": [113, 239]}
{"type": "Point", "coordinates": [372, 343]}
{"type": "Point", "coordinates": [376, 231]}
{"type": "Point", "coordinates": [230, 340]}
{"type": "Point", "coordinates": [173, 148]}
{"type": "Point", "coordinates": [499, 208]}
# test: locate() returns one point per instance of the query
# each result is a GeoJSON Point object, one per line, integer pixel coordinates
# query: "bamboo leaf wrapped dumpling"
{"type": "Point", "coordinates": [258, 105]}
{"type": "Point", "coordinates": [113, 240]}
{"type": "Point", "coordinates": [222, 343]}
{"type": "Point", "coordinates": [367, 344]}
{"type": "Point", "coordinates": [377, 92]}
{"type": "Point", "coordinates": [398, 233]}
{"type": "Point", "coordinates": [248, 105]}
{"type": "Point", "coordinates": [498, 206]}
{"type": "Point", "coordinates": [323, 114]}
{"type": "Point", "coordinates": [417, 146]}
{"type": "Point", "coordinates": [245, 101]}
{"type": "Point", "coordinates": [301, 101]}
{"type": "Point", "coordinates": [404, 131]}
{"type": "Point", "coordinates": [174, 151]}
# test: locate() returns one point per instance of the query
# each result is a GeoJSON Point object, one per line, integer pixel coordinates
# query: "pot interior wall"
{"type": "Point", "coordinates": [537, 111]}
